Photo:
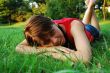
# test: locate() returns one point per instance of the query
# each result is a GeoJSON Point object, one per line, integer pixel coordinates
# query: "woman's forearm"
{"type": "Point", "coordinates": [72, 56]}
{"type": "Point", "coordinates": [57, 52]}
{"type": "Point", "coordinates": [23, 48]}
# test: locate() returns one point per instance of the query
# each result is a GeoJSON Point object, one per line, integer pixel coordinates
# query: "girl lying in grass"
{"type": "Point", "coordinates": [62, 39]}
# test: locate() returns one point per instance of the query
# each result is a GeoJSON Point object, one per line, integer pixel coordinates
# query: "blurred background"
{"type": "Point", "coordinates": [13, 11]}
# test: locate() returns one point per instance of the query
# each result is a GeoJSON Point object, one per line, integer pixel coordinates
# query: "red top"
{"type": "Point", "coordinates": [66, 23]}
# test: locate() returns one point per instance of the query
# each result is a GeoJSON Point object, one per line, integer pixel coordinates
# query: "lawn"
{"type": "Point", "coordinates": [13, 62]}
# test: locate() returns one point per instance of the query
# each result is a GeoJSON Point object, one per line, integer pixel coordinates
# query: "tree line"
{"type": "Point", "coordinates": [20, 10]}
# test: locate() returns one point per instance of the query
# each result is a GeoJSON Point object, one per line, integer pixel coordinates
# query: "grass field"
{"type": "Point", "coordinates": [13, 62]}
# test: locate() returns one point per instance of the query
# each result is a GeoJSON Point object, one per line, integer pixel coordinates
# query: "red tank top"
{"type": "Point", "coordinates": [66, 23]}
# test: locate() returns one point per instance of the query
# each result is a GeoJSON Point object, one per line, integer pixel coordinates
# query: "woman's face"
{"type": "Point", "coordinates": [58, 38]}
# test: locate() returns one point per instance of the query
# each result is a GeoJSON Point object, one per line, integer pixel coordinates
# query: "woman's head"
{"type": "Point", "coordinates": [39, 30]}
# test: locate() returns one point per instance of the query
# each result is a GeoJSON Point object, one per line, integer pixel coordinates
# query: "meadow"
{"type": "Point", "coordinates": [13, 62]}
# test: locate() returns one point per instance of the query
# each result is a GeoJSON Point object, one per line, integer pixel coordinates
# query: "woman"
{"type": "Point", "coordinates": [59, 37]}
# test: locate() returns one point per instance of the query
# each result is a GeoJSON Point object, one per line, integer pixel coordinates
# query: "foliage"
{"type": "Point", "coordinates": [22, 13]}
{"type": "Point", "coordinates": [108, 15]}
{"type": "Point", "coordinates": [20, 16]}
{"type": "Point", "coordinates": [99, 14]}
{"type": "Point", "coordinates": [66, 8]}
{"type": "Point", "coordinates": [19, 10]}
{"type": "Point", "coordinates": [38, 1]}
{"type": "Point", "coordinates": [40, 10]}
{"type": "Point", "coordinates": [8, 7]}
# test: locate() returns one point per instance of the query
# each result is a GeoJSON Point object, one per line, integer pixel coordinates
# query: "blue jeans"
{"type": "Point", "coordinates": [92, 30]}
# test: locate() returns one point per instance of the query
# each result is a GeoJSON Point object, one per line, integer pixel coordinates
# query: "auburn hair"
{"type": "Point", "coordinates": [38, 30]}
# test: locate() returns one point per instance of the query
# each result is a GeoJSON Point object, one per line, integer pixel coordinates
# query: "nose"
{"type": "Point", "coordinates": [54, 41]}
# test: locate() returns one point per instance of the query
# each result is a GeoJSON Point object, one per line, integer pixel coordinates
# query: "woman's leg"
{"type": "Point", "coordinates": [94, 21]}
{"type": "Point", "coordinates": [88, 13]}
{"type": "Point", "coordinates": [90, 16]}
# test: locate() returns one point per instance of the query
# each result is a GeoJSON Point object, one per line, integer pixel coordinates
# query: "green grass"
{"type": "Point", "coordinates": [13, 62]}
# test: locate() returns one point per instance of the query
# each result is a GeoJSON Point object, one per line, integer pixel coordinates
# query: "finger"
{"type": "Point", "coordinates": [58, 56]}
{"type": "Point", "coordinates": [64, 50]}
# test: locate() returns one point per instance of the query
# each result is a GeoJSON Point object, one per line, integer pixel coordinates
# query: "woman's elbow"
{"type": "Point", "coordinates": [84, 56]}
{"type": "Point", "coordinates": [86, 60]}
{"type": "Point", "coordinates": [87, 57]}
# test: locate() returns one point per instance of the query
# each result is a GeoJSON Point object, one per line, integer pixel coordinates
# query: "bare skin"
{"type": "Point", "coordinates": [90, 16]}
{"type": "Point", "coordinates": [83, 52]}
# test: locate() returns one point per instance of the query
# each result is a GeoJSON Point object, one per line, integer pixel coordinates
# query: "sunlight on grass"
{"type": "Point", "coordinates": [20, 24]}
{"type": "Point", "coordinates": [102, 22]}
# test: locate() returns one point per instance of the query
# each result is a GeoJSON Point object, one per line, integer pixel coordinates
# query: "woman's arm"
{"type": "Point", "coordinates": [24, 47]}
{"type": "Point", "coordinates": [81, 41]}
{"type": "Point", "coordinates": [58, 52]}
